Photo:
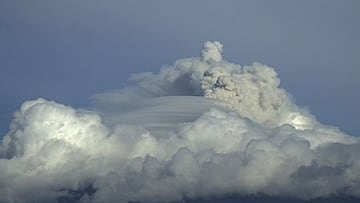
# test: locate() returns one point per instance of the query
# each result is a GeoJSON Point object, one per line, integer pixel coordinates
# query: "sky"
{"type": "Point", "coordinates": [69, 51]}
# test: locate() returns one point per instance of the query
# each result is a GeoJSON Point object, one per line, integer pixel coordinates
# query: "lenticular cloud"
{"type": "Point", "coordinates": [200, 128]}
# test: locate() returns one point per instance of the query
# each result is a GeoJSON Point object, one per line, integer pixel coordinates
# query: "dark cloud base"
{"type": "Point", "coordinates": [268, 199]}
{"type": "Point", "coordinates": [75, 195]}
{"type": "Point", "coordinates": [234, 198]}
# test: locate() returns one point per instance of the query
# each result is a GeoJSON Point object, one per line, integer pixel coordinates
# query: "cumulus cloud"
{"type": "Point", "coordinates": [200, 128]}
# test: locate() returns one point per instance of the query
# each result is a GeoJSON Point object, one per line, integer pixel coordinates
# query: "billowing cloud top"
{"type": "Point", "coordinates": [203, 127]}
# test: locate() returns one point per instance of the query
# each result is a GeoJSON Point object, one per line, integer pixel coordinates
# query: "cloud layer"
{"type": "Point", "coordinates": [200, 128]}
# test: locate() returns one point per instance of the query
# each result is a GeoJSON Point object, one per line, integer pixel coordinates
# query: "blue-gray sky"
{"type": "Point", "coordinates": [69, 50]}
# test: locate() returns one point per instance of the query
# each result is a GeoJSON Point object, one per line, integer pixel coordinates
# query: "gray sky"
{"type": "Point", "coordinates": [69, 50]}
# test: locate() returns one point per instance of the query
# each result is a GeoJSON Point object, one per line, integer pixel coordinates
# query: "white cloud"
{"type": "Point", "coordinates": [202, 127]}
